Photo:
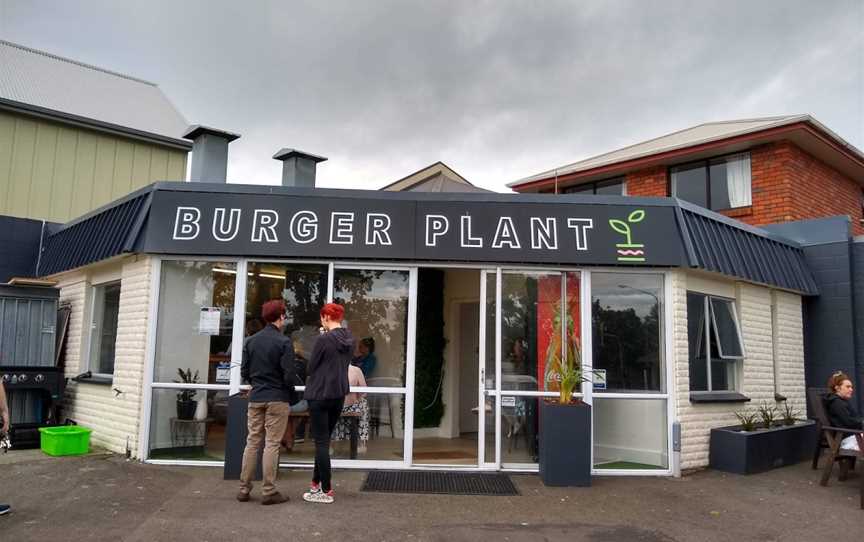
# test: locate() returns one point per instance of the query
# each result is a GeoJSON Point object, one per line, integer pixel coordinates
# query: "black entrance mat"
{"type": "Point", "coordinates": [445, 483]}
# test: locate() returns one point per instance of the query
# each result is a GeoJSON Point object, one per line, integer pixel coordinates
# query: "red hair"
{"type": "Point", "coordinates": [272, 310]}
{"type": "Point", "coordinates": [334, 311]}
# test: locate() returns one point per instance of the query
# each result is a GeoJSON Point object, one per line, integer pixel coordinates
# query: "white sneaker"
{"type": "Point", "coordinates": [314, 495]}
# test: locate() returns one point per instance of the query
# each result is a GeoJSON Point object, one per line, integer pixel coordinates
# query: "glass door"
{"type": "Point", "coordinates": [530, 321]}
{"type": "Point", "coordinates": [380, 306]}
{"type": "Point", "coordinates": [488, 420]}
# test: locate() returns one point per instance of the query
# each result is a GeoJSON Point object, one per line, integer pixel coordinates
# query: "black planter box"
{"type": "Point", "coordinates": [733, 450]}
{"type": "Point", "coordinates": [565, 444]}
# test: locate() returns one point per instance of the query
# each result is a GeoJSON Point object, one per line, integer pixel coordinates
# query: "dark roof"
{"type": "Point", "coordinates": [722, 245]}
{"type": "Point", "coordinates": [712, 241]}
{"type": "Point", "coordinates": [99, 235]}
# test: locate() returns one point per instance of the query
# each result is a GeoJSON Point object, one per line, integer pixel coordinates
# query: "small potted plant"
{"type": "Point", "coordinates": [186, 403]}
{"type": "Point", "coordinates": [565, 422]}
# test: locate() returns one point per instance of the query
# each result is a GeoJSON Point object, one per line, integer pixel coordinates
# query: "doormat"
{"type": "Point", "coordinates": [442, 483]}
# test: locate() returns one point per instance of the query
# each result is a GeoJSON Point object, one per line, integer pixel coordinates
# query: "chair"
{"type": "Point", "coordinates": [833, 436]}
{"type": "Point", "coordinates": [379, 402]}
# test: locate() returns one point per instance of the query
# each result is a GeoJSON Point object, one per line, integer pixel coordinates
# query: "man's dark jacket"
{"type": "Point", "coordinates": [328, 366]}
{"type": "Point", "coordinates": [268, 365]}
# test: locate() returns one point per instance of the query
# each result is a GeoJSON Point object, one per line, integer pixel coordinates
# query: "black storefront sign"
{"type": "Point", "coordinates": [502, 229]}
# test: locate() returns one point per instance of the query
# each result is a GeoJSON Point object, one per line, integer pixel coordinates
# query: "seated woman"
{"type": "Point", "coordinates": [355, 403]}
{"type": "Point", "coordinates": [364, 357]}
{"type": "Point", "coordinates": [841, 413]}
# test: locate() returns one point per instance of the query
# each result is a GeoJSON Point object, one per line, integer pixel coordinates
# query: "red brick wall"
{"type": "Point", "coordinates": [787, 184]}
{"type": "Point", "coordinates": [647, 182]}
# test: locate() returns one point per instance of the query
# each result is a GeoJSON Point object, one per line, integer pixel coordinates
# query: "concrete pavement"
{"type": "Point", "coordinates": [105, 497]}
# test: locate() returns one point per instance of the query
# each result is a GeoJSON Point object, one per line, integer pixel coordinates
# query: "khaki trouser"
{"type": "Point", "coordinates": [266, 424]}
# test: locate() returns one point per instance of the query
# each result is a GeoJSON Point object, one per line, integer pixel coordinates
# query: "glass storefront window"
{"type": "Point", "coordinates": [303, 287]}
{"type": "Point", "coordinates": [376, 313]}
{"type": "Point", "coordinates": [531, 329]}
{"type": "Point", "coordinates": [196, 317]}
{"type": "Point", "coordinates": [630, 434]}
{"type": "Point", "coordinates": [201, 437]}
{"type": "Point", "coordinates": [626, 315]}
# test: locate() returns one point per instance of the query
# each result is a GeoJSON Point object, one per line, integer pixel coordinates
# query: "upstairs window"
{"type": "Point", "coordinates": [609, 187]}
{"type": "Point", "coordinates": [715, 344]}
{"type": "Point", "coordinates": [719, 183]}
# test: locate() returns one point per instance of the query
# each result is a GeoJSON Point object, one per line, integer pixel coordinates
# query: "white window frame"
{"type": "Point", "coordinates": [708, 320]}
{"type": "Point", "coordinates": [94, 342]}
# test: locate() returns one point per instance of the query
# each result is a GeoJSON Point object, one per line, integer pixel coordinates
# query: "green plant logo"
{"type": "Point", "coordinates": [629, 251]}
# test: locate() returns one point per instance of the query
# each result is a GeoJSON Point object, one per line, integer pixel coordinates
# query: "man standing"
{"type": "Point", "coordinates": [4, 429]}
{"type": "Point", "coordinates": [268, 365]}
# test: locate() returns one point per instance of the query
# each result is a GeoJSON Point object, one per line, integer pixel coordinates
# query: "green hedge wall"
{"type": "Point", "coordinates": [428, 378]}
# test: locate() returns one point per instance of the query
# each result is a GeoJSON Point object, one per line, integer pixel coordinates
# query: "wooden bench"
{"type": "Point", "coordinates": [353, 428]}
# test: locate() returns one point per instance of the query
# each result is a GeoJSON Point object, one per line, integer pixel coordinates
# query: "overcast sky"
{"type": "Point", "coordinates": [496, 90]}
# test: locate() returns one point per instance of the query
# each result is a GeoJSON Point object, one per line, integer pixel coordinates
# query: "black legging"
{"type": "Point", "coordinates": [323, 415]}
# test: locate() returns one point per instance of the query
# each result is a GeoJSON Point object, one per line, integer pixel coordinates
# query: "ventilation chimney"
{"type": "Point", "coordinates": [298, 167]}
{"type": "Point", "coordinates": [209, 153]}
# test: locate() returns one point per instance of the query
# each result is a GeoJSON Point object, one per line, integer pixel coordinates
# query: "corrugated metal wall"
{"type": "Point", "coordinates": [27, 331]}
{"type": "Point", "coordinates": [50, 171]}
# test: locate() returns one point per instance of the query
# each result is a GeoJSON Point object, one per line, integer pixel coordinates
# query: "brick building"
{"type": "Point", "coordinates": [759, 171]}
{"type": "Point", "coordinates": [790, 175]}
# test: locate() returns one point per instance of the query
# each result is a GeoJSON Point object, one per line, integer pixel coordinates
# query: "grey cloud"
{"type": "Point", "coordinates": [498, 90]}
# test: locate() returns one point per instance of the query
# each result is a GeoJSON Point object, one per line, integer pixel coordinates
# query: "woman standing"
{"type": "Point", "coordinates": [326, 388]}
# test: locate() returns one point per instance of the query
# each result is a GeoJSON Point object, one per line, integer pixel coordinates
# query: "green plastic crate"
{"type": "Point", "coordinates": [65, 440]}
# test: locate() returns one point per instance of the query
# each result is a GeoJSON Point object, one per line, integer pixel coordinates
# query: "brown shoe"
{"type": "Point", "coordinates": [275, 498]}
{"type": "Point", "coordinates": [242, 496]}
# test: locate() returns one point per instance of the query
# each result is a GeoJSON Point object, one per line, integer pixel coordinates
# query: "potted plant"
{"type": "Point", "coordinates": [565, 422]}
{"type": "Point", "coordinates": [753, 447]}
{"type": "Point", "coordinates": [186, 403]}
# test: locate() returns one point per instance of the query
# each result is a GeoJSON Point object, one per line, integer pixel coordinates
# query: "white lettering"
{"type": "Point", "coordinates": [378, 229]}
{"type": "Point", "coordinates": [304, 227]}
{"type": "Point", "coordinates": [186, 226]}
{"type": "Point", "coordinates": [436, 226]}
{"type": "Point", "coordinates": [264, 226]}
{"type": "Point", "coordinates": [341, 228]}
{"type": "Point", "coordinates": [468, 241]}
{"type": "Point", "coordinates": [226, 232]}
{"type": "Point", "coordinates": [581, 225]}
{"type": "Point", "coordinates": [505, 233]}
{"type": "Point", "coordinates": [544, 235]}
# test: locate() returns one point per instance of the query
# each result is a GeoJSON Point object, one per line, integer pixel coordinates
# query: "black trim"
{"type": "Point", "coordinates": [97, 380]}
{"type": "Point", "coordinates": [717, 397]}
{"type": "Point", "coordinates": [618, 179]}
{"type": "Point", "coordinates": [93, 124]}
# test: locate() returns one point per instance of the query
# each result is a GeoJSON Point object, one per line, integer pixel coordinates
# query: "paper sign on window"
{"type": "Point", "coordinates": [208, 321]}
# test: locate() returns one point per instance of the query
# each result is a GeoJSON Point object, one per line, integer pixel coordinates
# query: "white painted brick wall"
{"type": "Point", "coordinates": [757, 370]}
{"type": "Point", "coordinates": [114, 418]}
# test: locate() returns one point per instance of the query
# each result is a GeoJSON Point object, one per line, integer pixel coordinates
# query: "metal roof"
{"type": "Point", "coordinates": [100, 235]}
{"type": "Point", "coordinates": [722, 245]}
{"type": "Point", "coordinates": [712, 241]}
{"type": "Point", "coordinates": [36, 78]}
{"type": "Point", "coordinates": [696, 135]}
